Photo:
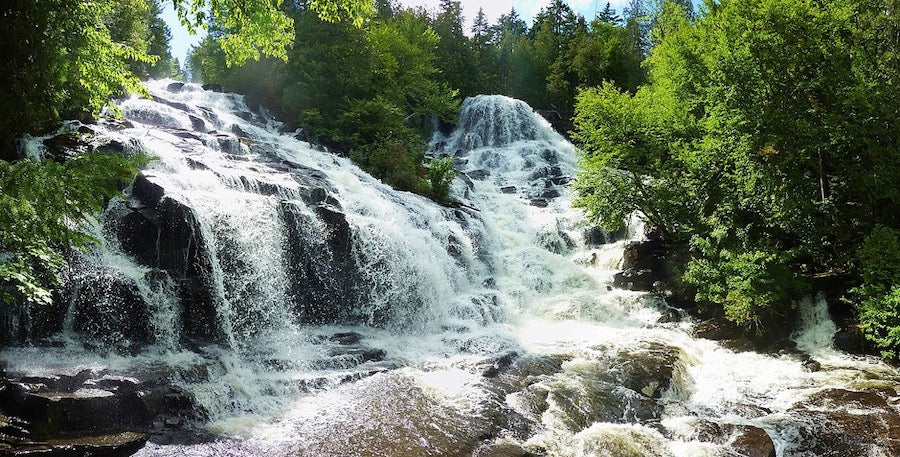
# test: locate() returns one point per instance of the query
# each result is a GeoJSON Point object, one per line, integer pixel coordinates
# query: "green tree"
{"type": "Point", "coordinates": [455, 58]}
{"type": "Point", "coordinates": [761, 146]}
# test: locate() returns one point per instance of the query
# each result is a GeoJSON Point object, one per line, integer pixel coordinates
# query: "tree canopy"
{"type": "Point", "coordinates": [766, 145]}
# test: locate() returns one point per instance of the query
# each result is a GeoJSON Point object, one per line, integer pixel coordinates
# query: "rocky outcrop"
{"type": "Point", "coordinates": [161, 232]}
{"type": "Point", "coordinates": [88, 413]}
{"type": "Point", "coordinates": [840, 422]}
{"type": "Point", "coordinates": [644, 267]}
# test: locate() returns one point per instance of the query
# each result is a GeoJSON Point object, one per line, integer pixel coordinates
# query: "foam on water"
{"type": "Point", "coordinates": [449, 293]}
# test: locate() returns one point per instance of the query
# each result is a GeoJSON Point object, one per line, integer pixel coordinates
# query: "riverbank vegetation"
{"type": "Point", "coordinates": [766, 146]}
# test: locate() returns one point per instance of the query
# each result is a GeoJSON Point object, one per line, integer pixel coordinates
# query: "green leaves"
{"type": "Point", "coordinates": [440, 175]}
{"type": "Point", "coordinates": [42, 205]}
{"type": "Point", "coordinates": [260, 28]}
{"type": "Point", "coordinates": [760, 140]}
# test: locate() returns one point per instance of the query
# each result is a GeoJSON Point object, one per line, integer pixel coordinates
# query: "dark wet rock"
{"type": "Point", "coordinates": [637, 280]}
{"type": "Point", "coordinates": [229, 144]}
{"type": "Point", "coordinates": [499, 364]}
{"type": "Point", "coordinates": [544, 173]}
{"type": "Point", "coordinates": [185, 134]}
{"type": "Point", "coordinates": [237, 130]}
{"type": "Point", "coordinates": [175, 87]}
{"type": "Point", "coordinates": [177, 105]}
{"type": "Point", "coordinates": [478, 175]}
{"type": "Point", "coordinates": [559, 180]}
{"type": "Point", "coordinates": [73, 413]}
{"type": "Point", "coordinates": [114, 147]}
{"type": "Point", "coordinates": [650, 371]}
{"type": "Point", "coordinates": [196, 164]}
{"type": "Point", "coordinates": [669, 315]}
{"type": "Point", "coordinates": [852, 340]}
{"type": "Point", "coordinates": [147, 192]}
{"type": "Point", "coordinates": [539, 202]}
{"type": "Point", "coordinates": [65, 146]}
{"type": "Point", "coordinates": [114, 445]}
{"type": "Point", "coordinates": [197, 123]}
{"type": "Point", "coordinates": [754, 442]}
{"type": "Point", "coordinates": [317, 195]}
{"type": "Point", "coordinates": [549, 193]}
{"type": "Point", "coordinates": [213, 87]}
{"type": "Point", "coordinates": [108, 308]}
{"type": "Point", "coordinates": [560, 122]}
{"type": "Point", "coordinates": [840, 422]}
{"type": "Point", "coordinates": [319, 245]}
{"type": "Point", "coordinates": [508, 189]}
{"type": "Point", "coordinates": [596, 235]}
{"type": "Point", "coordinates": [346, 338]}
{"type": "Point", "coordinates": [55, 415]}
{"type": "Point", "coordinates": [812, 366]}
{"type": "Point", "coordinates": [644, 255]}
{"type": "Point", "coordinates": [718, 328]}
{"type": "Point", "coordinates": [163, 233]}
{"type": "Point", "coordinates": [556, 241]}
{"type": "Point", "coordinates": [116, 124]}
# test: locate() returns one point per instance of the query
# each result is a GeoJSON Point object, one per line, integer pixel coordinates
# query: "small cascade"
{"type": "Point", "coordinates": [815, 333]}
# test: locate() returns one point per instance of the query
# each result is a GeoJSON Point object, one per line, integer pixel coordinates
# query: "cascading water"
{"type": "Point", "coordinates": [311, 310]}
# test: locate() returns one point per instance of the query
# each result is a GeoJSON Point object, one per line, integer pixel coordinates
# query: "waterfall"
{"type": "Point", "coordinates": [309, 309]}
{"type": "Point", "coordinates": [816, 330]}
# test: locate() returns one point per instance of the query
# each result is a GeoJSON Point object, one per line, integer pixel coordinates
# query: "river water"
{"type": "Point", "coordinates": [345, 318]}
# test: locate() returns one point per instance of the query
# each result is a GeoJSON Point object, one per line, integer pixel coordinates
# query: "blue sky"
{"type": "Point", "coordinates": [182, 41]}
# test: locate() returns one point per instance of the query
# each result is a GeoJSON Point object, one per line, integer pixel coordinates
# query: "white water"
{"type": "Point", "coordinates": [521, 278]}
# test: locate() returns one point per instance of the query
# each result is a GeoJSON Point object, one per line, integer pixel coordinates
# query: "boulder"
{"type": "Point", "coordinates": [637, 280]}
{"type": "Point", "coordinates": [753, 442]}
{"type": "Point", "coordinates": [65, 146]}
{"type": "Point", "coordinates": [840, 422]}
{"type": "Point", "coordinates": [197, 123]}
{"type": "Point", "coordinates": [161, 232]}
{"type": "Point", "coordinates": [812, 366]}
{"type": "Point", "coordinates": [175, 86]}
{"type": "Point", "coordinates": [852, 340]}
{"type": "Point", "coordinates": [177, 105]}
{"type": "Point", "coordinates": [644, 255]}
{"type": "Point", "coordinates": [213, 87]}
{"type": "Point", "coordinates": [322, 267]}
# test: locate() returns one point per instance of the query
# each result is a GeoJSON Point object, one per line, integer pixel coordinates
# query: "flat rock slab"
{"type": "Point", "coordinates": [117, 445]}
